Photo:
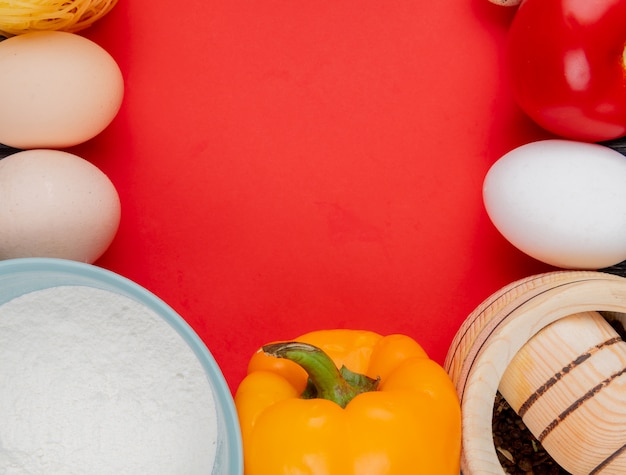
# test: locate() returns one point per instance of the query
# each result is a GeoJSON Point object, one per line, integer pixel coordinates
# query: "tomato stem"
{"type": "Point", "coordinates": [326, 381]}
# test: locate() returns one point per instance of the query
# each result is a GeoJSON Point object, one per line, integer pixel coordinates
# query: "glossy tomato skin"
{"type": "Point", "coordinates": [566, 61]}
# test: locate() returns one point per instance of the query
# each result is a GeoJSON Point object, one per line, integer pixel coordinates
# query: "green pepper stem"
{"type": "Point", "coordinates": [328, 382]}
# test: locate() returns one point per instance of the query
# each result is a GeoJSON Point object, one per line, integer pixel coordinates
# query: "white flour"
{"type": "Point", "coordinates": [94, 383]}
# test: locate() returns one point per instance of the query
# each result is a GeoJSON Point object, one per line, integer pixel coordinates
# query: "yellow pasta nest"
{"type": "Point", "coordinates": [23, 16]}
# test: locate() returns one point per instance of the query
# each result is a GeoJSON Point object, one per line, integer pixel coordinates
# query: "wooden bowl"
{"type": "Point", "coordinates": [556, 360]}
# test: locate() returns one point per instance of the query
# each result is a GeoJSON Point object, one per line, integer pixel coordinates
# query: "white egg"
{"type": "Point", "coordinates": [55, 204]}
{"type": "Point", "coordinates": [57, 90]}
{"type": "Point", "coordinates": [561, 202]}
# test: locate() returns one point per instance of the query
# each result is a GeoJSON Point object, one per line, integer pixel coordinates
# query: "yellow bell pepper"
{"type": "Point", "coordinates": [393, 412]}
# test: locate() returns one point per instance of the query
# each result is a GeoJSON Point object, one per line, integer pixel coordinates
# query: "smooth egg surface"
{"type": "Point", "coordinates": [55, 204]}
{"type": "Point", "coordinates": [561, 202]}
{"type": "Point", "coordinates": [57, 90]}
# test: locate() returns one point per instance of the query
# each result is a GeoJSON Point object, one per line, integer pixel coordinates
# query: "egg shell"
{"type": "Point", "coordinates": [55, 204]}
{"type": "Point", "coordinates": [561, 202]}
{"type": "Point", "coordinates": [57, 89]}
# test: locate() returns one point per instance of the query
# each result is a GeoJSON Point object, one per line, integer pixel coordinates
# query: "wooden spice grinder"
{"type": "Point", "coordinates": [542, 342]}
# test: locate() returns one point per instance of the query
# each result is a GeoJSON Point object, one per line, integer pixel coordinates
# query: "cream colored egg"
{"type": "Point", "coordinates": [57, 90]}
{"type": "Point", "coordinates": [55, 204]}
{"type": "Point", "coordinates": [561, 202]}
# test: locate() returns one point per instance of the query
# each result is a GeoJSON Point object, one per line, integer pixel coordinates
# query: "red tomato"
{"type": "Point", "coordinates": [567, 66]}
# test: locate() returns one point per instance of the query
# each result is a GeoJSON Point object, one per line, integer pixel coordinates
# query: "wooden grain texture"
{"type": "Point", "coordinates": [558, 353]}
{"type": "Point", "coordinates": [494, 333]}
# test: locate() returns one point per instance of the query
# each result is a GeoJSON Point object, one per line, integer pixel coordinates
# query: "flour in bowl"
{"type": "Point", "coordinates": [92, 382]}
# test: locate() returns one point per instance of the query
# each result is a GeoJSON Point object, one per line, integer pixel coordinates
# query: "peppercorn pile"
{"type": "Point", "coordinates": [518, 450]}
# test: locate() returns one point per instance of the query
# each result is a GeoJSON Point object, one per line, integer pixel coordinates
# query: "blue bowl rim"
{"type": "Point", "coordinates": [159, 306]}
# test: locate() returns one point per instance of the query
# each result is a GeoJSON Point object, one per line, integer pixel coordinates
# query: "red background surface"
{"type": "Point", "coordinates": [287, 166]}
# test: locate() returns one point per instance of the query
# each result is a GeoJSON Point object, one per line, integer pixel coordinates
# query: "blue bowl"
{"type": "Point", "coordinates": [20, 276]}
